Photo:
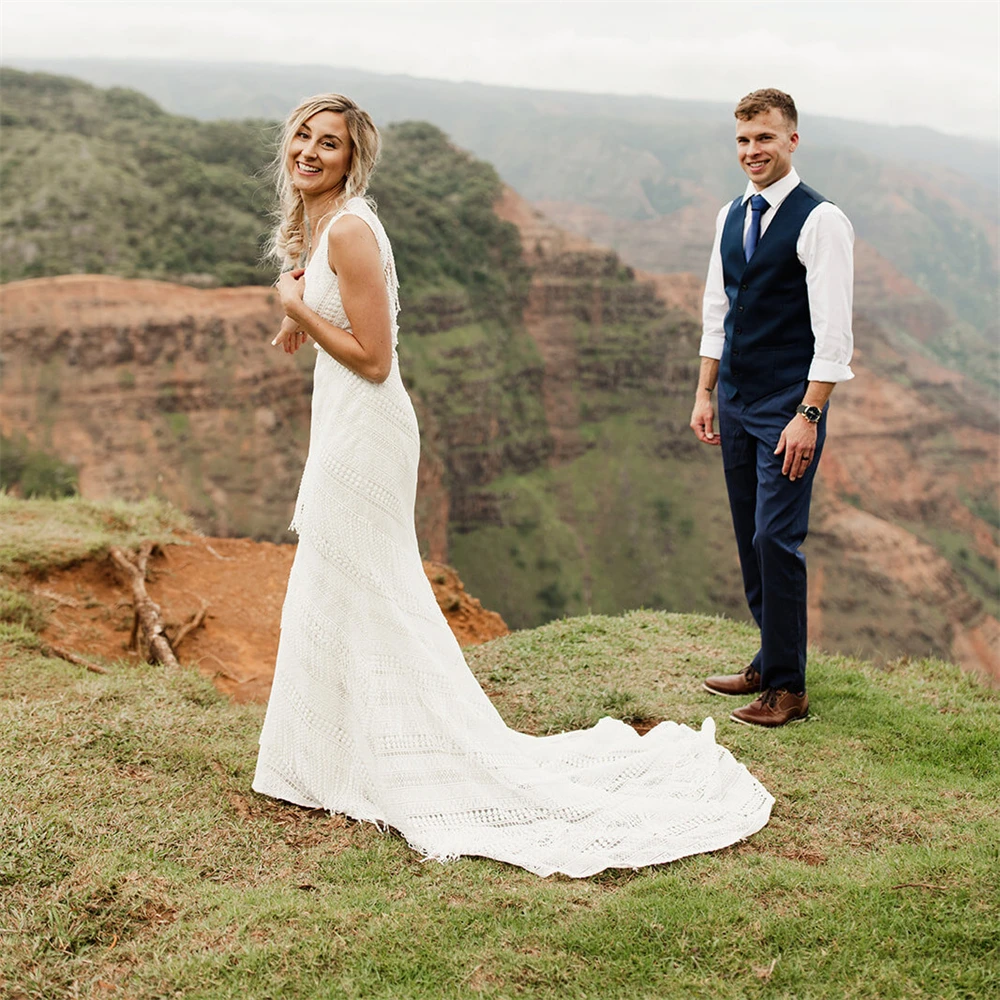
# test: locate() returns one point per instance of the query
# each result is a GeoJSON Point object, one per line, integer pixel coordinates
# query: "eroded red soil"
{"type": "Point", "coordinates": [243, 584]}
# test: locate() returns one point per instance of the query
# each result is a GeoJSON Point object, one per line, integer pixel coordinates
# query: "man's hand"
{"type": "Point", "coordinates": [290, 337]}
{"type": "Point", "coordinates": [702, 418]}
{"type": "Point", "coordinates": [798, 442]}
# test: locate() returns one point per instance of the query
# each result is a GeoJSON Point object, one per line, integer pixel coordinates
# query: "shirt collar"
{"type": "Point", "coordinates": [774, 194]}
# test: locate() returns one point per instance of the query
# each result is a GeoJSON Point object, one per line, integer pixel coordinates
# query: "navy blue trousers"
{"type": "Point", "coordinates": [771, 520]}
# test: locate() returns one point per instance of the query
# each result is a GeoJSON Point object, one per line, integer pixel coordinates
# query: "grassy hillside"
{"type": "Point", "coordinates": [139, 192]}
{"type": "Point", "coordinates": [104, 181]}
{"type": "Point", "coordinates": [136, 861]}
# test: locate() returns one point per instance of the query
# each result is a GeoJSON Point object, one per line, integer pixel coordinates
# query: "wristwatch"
{"type": "Point", "coordinates": [811, 413]}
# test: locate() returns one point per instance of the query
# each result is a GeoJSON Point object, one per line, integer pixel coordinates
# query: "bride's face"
{"type": "Point", "coordinates": [319, 155]}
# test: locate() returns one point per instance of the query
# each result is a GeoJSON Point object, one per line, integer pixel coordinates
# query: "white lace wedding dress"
{"type": "Point", "coordinates": [375, 714]}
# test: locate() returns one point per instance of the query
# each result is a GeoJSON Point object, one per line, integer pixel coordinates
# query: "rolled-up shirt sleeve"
{"type": "Point", "coordinates": [826, 249]}
{"type": "Point", "coordinates": [715, 304]}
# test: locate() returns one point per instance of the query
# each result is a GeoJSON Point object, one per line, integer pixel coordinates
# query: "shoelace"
{"type": "Point", "coordinates": [769, 698]}
{"type": "Point", "coordinates": [749, 673]}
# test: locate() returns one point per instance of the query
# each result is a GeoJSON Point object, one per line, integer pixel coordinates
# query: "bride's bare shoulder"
{"type": "Point", "coordinates": [353, 246]}
{"type": "Point", "coordinates": [351, 230]}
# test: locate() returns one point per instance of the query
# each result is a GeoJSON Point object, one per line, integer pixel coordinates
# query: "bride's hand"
{"type": "Point", "coordinates": [290, 337]}
{"type": "Point", "coordinates": [291, 288]}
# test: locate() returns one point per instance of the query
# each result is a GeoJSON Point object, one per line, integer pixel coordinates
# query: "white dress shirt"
{"type": "Point", "coordinates": [826, 249]}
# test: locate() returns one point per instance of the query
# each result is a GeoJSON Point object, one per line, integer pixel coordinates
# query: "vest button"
{"type": "Point", "coordinates": [744, 287]}
{"type": "Point", "coordinates": [739, 329]}
{"type": "Point", "coordinates": [741, 308]}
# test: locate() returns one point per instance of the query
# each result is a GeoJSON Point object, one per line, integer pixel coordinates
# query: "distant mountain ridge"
{"type": "Point", "coordinates": [267, 90]}
{"type": "Point", "coordinates": [646, 175]}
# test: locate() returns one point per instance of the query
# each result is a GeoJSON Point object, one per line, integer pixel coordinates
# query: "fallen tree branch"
{"type": "Point", "coordinates": [65, 654]}
{"type": "Point", "coordinates": [147, 612]}
{"type": "Point", "coordinates": [197, 620]}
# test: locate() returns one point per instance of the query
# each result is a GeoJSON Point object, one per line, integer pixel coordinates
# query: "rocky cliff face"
{"type": "Point", "coordinates": [150, 388]}
{"type": "Point", "coordinates": [903, 549]}
{"type": "Point", "coordinates": [903, 542]}
{"type": "Point", "coordinates": [906, 511]}
{"type": "Point", "coordinates": [155, 388]}
{"type": "Point", "coordinates": [558, 473]}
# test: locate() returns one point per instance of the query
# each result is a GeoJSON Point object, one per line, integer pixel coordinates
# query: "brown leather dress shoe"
{"type": "Point", "coordinates": [745, 682]}
{"type": "Point", "coordinates": [774, 707]}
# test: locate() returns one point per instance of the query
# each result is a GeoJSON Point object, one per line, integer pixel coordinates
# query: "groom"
{"type": "Point", "coordinates": [777, 338]}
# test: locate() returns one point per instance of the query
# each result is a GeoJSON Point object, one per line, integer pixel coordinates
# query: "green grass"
{"type": "Point", "coordinates": [42, 534]}
{"type": "Point", "coordinates": [136, 862]}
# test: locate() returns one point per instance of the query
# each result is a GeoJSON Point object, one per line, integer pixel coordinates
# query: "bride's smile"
{"type": "Point", "coordinates": [319, 155]}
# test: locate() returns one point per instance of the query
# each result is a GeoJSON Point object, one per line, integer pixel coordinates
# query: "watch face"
{"type": "Point", "coordinates": [813, 413]}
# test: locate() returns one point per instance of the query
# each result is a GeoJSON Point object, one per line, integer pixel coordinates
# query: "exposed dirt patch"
{"type": "Point", "coordinates": [643, 726]}
{"type": "Point", "coordinates": [242, 582]}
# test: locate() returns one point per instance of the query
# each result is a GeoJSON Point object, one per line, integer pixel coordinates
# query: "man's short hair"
{"type": "Point", "coordinates": [759, 102]}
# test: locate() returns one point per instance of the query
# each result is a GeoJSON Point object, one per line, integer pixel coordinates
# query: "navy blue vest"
{"type": "Point", "coordinates": [769, 338]}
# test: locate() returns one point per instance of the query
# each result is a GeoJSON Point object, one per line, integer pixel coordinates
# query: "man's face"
{"type": "Point", "coordinates": [764, 146]}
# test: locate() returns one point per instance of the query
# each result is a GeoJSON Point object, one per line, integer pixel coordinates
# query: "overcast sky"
{"type": "Point", "coordinates": [908, 63]}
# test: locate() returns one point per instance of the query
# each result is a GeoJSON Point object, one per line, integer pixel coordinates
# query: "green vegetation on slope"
{"type": "Point", "coordinates": [104, 181]}
{"type": "Point", "coordinates": [138, 192]}
{"type": "Point", "coordinates": [456, 259]}
{"type": "Point", "coordinates": [622, 525]}
{"type": "Point", "coordinates": [637, 516]}
{"type": "Point", "coordinates": [33, 472]}
{"type": "Point", "coordinates": [135, 859]}
{"type": "Point", "coordinates": [464, 353]}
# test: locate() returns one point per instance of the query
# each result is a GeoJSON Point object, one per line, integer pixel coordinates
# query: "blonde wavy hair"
{"type": "Point", "coordinates": [290, 237]}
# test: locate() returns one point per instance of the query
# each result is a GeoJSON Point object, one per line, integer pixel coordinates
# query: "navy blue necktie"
{"type": "Point", "coordinates": [758, 206]}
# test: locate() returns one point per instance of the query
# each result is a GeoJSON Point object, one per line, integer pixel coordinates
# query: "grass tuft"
{"type": "Point", "coordinates": [44, 534]}
{"type": "Point", "coordinates": [20, 608]}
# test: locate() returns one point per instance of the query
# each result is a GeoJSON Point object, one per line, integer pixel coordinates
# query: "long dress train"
{"type": "Point", "coordinates": [374, 712]}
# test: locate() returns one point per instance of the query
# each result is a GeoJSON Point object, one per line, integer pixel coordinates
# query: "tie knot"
{"type": "Point", "coordinates": [758, 203]}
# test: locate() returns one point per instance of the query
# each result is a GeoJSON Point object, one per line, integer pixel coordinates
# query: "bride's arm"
{"type": "Point", "coordinates": [354, 257]}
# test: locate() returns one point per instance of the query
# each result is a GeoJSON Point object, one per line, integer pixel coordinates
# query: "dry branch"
{"type": "Point", "coordinates": [65, 654]}
{"type": "Point", "coordinates": [197, 620]}
{"type": "Point", "coordinates": [147, 612]}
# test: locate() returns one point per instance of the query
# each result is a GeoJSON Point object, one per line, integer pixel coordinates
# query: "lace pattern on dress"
{"type": "Point", "coordinates": [375, 713]}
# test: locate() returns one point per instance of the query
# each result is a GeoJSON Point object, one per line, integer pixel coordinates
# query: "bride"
{"type": "Point", "coordinates": [373, 712]}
